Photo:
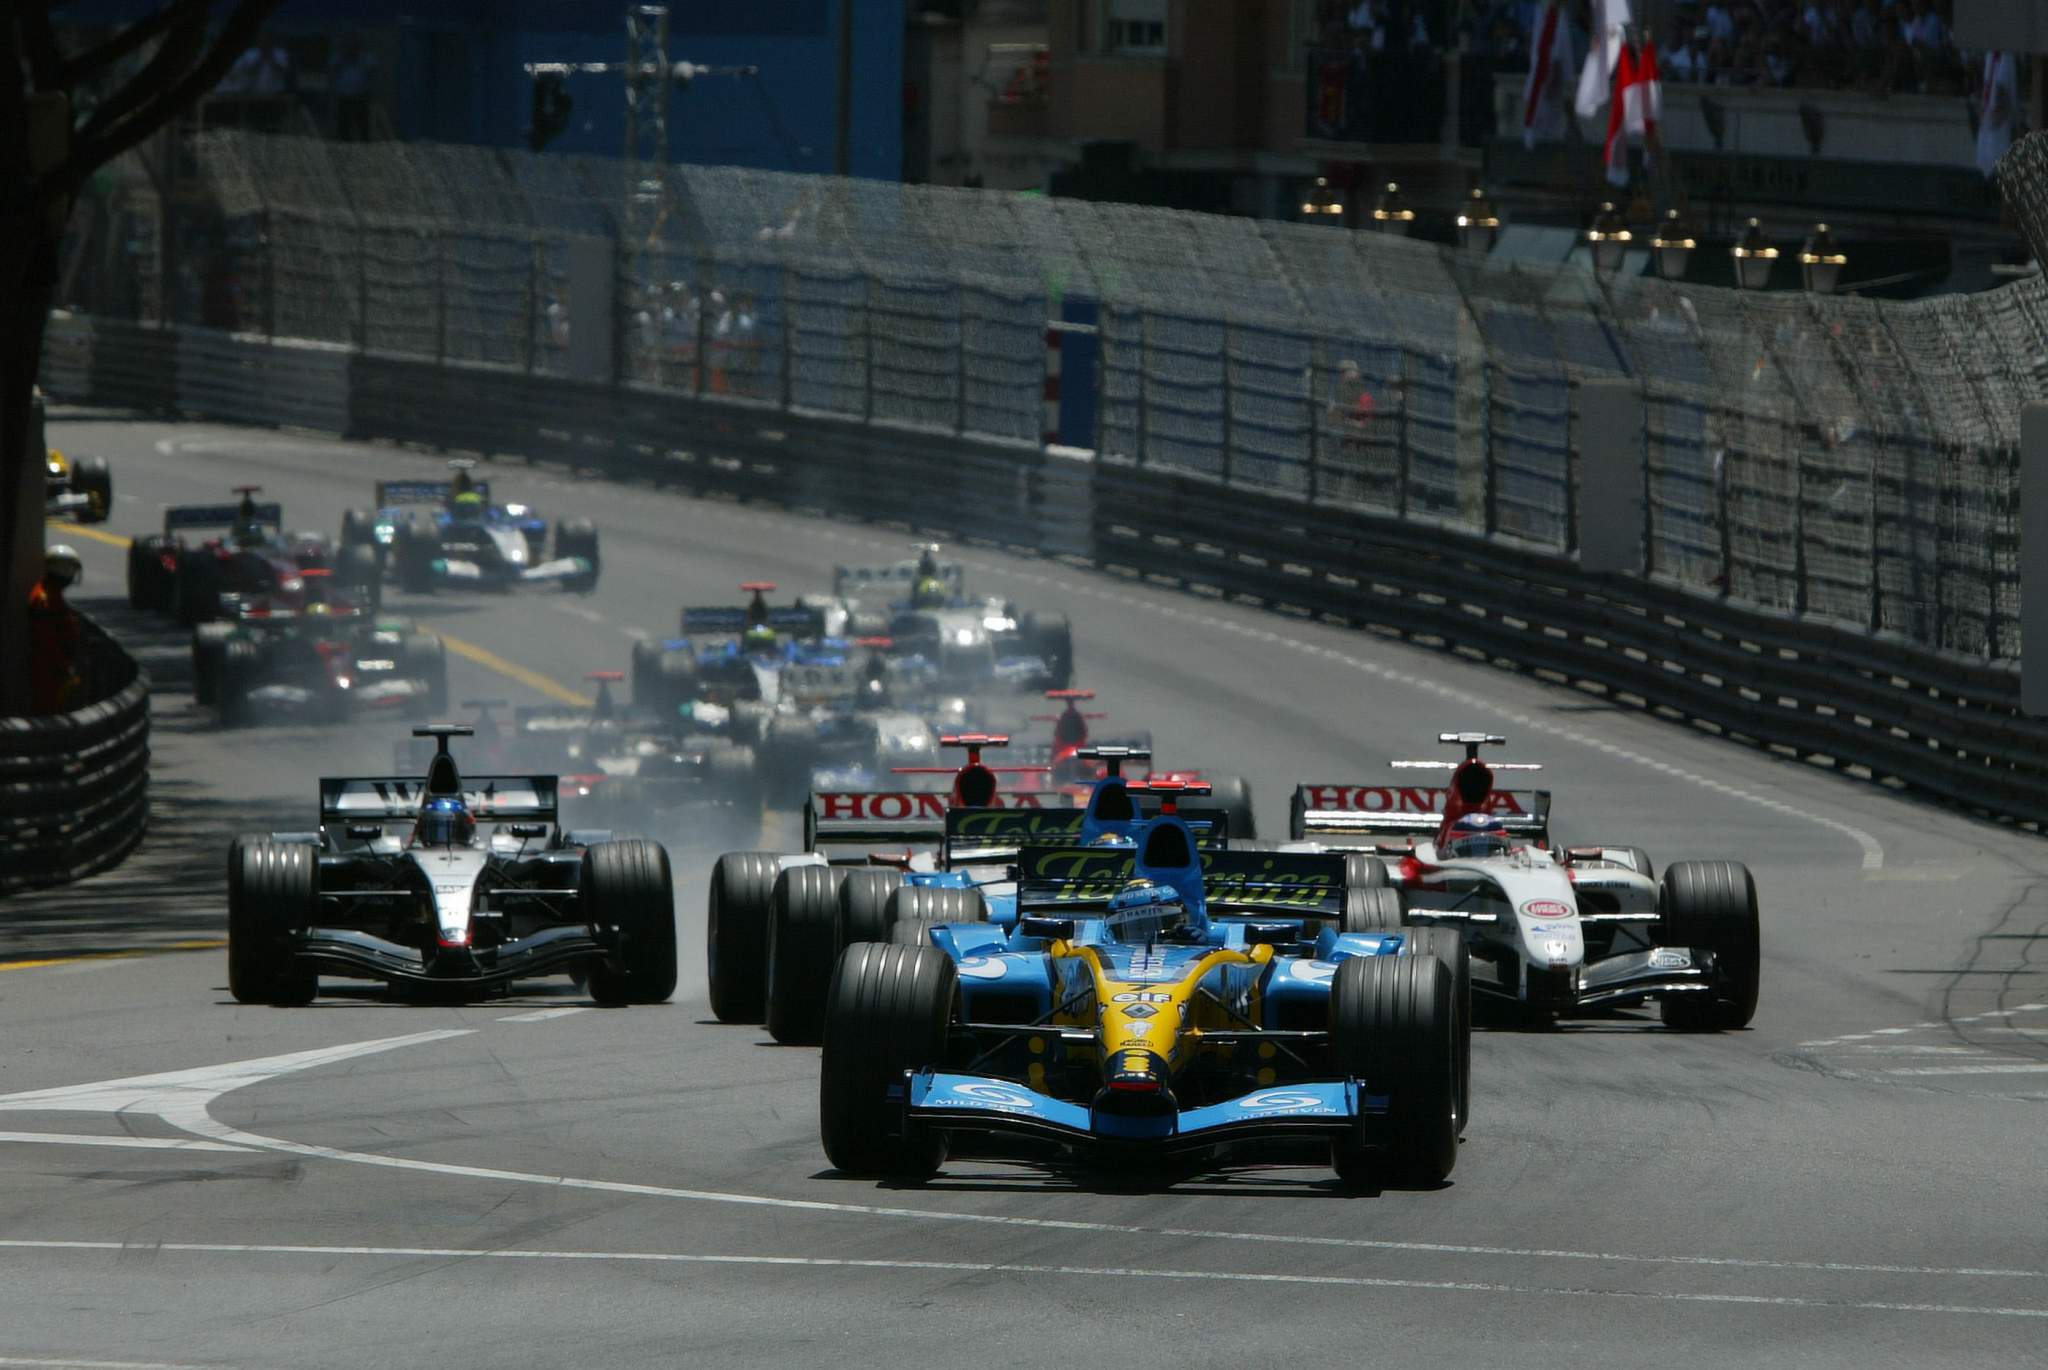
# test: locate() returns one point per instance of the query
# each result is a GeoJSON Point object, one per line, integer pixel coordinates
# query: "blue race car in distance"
{"type": "Point", "coordinates": [1150, 999]}
{"type": "Point", "coordinates": [431, 533]}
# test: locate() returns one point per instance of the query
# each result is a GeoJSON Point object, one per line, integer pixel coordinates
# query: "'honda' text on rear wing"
{"type": "Point", "coordinates": [1407, 810]}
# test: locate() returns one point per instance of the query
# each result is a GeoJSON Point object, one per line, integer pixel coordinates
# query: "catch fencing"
{"type": "Point", "coordinates": [1845, 458]}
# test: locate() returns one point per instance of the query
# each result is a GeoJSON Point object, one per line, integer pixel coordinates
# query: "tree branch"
{"type": "Point", "coordinates": [129, 39]}
{"type": "Point", "coordinates": [93, 150]}
{"type": "Point", "coordinates": [181, 48]}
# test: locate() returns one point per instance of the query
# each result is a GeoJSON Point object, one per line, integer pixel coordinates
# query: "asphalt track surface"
{"type": "Point", "coordinates": [1856, 1180]}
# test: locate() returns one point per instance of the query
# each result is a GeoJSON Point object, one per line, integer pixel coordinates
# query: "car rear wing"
{"type": "Point", "coordinates": [897, 579]}
{"type": "Point", "coordinates": [974, 835]}
{"type": "Point", "coordinates": [1306, 884]}
{"type": "Point", "coordinates": [1407, 811]}
{"type": "Point", "coordinates": [221, 516]}
{"type": "Point", "coordinates": [391, 493]}
{"type": "Point", "coordinates": [877, 817]}
{"type": "Point", "coordinates": [726, 620]}
{"type": "Point", "coordinates": [489, 798]}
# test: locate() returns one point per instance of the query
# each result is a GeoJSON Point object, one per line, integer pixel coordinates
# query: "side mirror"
{"type": "Point", "coordinates": [365, 832]}
{"type": "Point", "coordinates": [1054, 928]}
{"type": "Point", "coordinates": [528, 831]}
{"type": "Point", "coordinates": [1273, 934]}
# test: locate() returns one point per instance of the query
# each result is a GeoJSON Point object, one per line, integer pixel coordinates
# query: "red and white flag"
{"type": "Point", "coordinates": [1543, 92]}
{"type": "Point", "coordinates": [1623, 115]}
{"type": "Point", "coordinates": [1646, 97]}
{"type": "Point", "coordinates": [1603, 55]}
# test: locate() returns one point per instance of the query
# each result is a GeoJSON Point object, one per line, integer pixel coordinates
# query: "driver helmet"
{"type": "Point", "coordinates": [61, 564]}
{"type": "Point", "coordinates": [929, 593]}
{"type": "Point", "coordinates": [247, 533]}
{"type": "Point", "coordinates": [319, 607]}
{"type": "Point", "coordinates": [462, 484]}
{"type": "Point", "coordinates": [445, 822]}
{"type": "Point", "coordinates": [468, 504]}
{"type": "Point", "coordinates": [1476, 835]}
{"type": "Point", "coordinates": [1144, 910]}
{"type": "Point", "coordinates": [927, 561]}
{"type": "Point", "coordinates": [760, 637]}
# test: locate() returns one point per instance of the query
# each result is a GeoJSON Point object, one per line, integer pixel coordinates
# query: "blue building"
{"type": "Point", "coordinates": [451, 71]}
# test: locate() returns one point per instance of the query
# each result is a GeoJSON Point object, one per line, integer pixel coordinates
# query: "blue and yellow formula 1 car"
{"type": "Point", "coordinates": [1148, 998]}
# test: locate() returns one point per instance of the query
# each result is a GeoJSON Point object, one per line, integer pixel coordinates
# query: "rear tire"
{"type": "Point", "coordinates": [802, 922]}
{"type": "Point", "coordinates": [864, 905]}
{"type": "Point", "coordinates": [414, 548]}
{"type": "Point", "coordinates": [736, 934]}
{"type": "Point", "coordinates": [91, 478]}
{"type": "Point", "coordinates": [196, 590]}
{"type": "Point", "coordinates": [1393, 1025]}
{"type": "Point", "coordinates": [1233, 795]}
{"type": "Point", "coordinates": [578, 538]}
{"type": "Point", "coordinates": [146, 573]}
{"type": "Point", "coordinates": [360, 572]}
{"type": "Point", "coordinates": [273, 894]}
{"type": "Point", "coordinates": [914, 910]}
{"type": "Point", "coordinates": [1711, 906]}
{"type": "Point", "coordinates": [887, 1011]}
{"type": "Point", "coordinates": [209, 648]}
{"type": "Point", "coordinates": [1362, 872]}
{"type": "Point", "coordinates": [241, 667]}
{"type": "Point", "coordinates": [1372, 909]}
{"type": "Point", "coordinates": [626, 888]}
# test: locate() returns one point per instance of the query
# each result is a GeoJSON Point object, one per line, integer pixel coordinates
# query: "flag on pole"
{"type": "Point", "coordinates": [1603, 54]}
{"type": "Point", "coordinates": [1623, 115]}
{"type": "Point", "coordinates": [1646, 105]}
{"type": "Point", "coordinates": [1542, 93]}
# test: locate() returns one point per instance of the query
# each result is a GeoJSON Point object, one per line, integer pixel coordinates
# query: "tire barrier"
{"type": "Point", "coordinates": [74, 788]}
{"type": "Point", "coordinates": [1942, 723]}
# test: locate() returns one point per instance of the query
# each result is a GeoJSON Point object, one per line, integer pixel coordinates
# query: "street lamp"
{"type": "Point", "coordinates": [1821, 261]}
{"type": "Point", "coordinates": [1673, 244]}
{"type": "Point", "coordinates": [1391, 213]}
{"type": "Point", "coordinates": [1321, 201]}
{"type": "Point", "coordinates": [1610, 238]}
{"type": "Point", "coordinates": [1479, 223]}
{"type": "Point", "coordinates": [1754, 257]}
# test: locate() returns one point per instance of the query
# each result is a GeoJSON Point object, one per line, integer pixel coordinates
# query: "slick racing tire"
{"type": "Point", "coordinates": [1449, 947]}
{"type": "Point", "coordinates": [146, 579]}
{"type": "Point", "coordinates": [414, 547]}
{"type": "Point", "coordinates": [209, 648]}
{"type": "Point", "coordinates": [887, 1011]}
{"type": "Point", "coordinates": [914, 910]}
{"type": "Point", "coordinates": [359, 571]}
{"type": "Point", "coordinates": [736, 934]}
{"type": "Point", "coordinates": [1711, 906]}
{"type": "Point", "coordinates": [273, 893]}
{"type": "Point", "coordinates": [241, 668]}
{"type": "Point", "coordinates": [1362, 872]}
{"type": "Point", "coordinates": [423, 657]}
{"type": "Point", "coordinates": [1393, 1024]}
{"type": "Point", "coordinates": [91, 478]}
{"type": "Point", "coordinates": [196, 590]}
{"type": "Point", "coordinates": [1233, 795]}
{"type": "Point", "coordinates": [626, 888]}
{"type": "Point", "coordinates": [1055, 647]}
{"type": "Point", "coordinates": [864, 905]}
{"type": "Point", "coordinates": [359, 529]}
{"type": "Point", "coordinates": [1371, 909]}
{"type": "Point", "coordinates": [803, 915]}
{"type": "Point", "coordinates": [578, 538]}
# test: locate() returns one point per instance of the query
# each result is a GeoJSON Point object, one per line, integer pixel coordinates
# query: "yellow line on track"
{"type": "Point", "coordinates": [207, 944]}
{"type": "Point", "coordinates": [468, 651]}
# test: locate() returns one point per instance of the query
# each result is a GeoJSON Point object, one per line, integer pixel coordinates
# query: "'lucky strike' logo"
{"type": "Point", "coordinates": [1547, 908]}
{"type": "Point", "coordinates": [1395, 799]}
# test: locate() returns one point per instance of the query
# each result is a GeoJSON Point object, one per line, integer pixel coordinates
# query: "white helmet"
{"type": "Point", "coordinates": [62, 563]}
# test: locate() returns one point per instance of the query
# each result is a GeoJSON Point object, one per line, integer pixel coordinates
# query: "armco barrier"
{"type": "Point", "coordinates": [74, 788]}
{"type": "Point", "coordinates": [1944, 724]}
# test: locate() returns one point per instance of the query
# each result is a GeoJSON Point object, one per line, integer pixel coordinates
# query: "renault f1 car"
{"type": "Point", "coordinates": [323, 660]}
{"type": "Point", "coordinates": [1149, 1001]}
{"type": "Point", "coordinates": [400, 883]}
{"type": "Point", "coordinates": [256, 557]}
{"type": "Point", "coordinates": [1557, 930]}
{"type": "Point", "coordinates": [79, 486]}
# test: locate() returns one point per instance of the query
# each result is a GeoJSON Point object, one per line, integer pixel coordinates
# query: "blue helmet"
{"type": "Point", "coordinates": [1143, 911]}
{"type": "Point", "coordinates": [445, 822]}
{"type": "Point", "coordinates": [1475, 835]}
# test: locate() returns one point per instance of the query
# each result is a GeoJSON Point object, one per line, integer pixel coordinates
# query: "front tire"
{"type": "Point", "coordinates": [864, 905]}
{"type": "Point", "coordinates": [626, 887]}
{"type": "Point", "coordinates": [209, 649]}
{"type": "Point", "coordinates": [273, 893]}
{"type": "Point", "coordinates": [1393, 1025]}
{"type": "Point", "coordinates": [1371, 909]}
{"type": "Point", "coordinates": [802, 922]}
{"type": "Point", "coordinates": [887, 1012]}
{"type": "Point", "coordinates": [736, 934]}
{"type": "Point", "coordinates": [1711, 906]}
{"type": "Point", "coordinates": [914, 910]}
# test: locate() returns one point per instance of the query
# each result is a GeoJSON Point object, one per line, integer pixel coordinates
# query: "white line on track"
{"type": "Point", "coordinates": [443, 1253]}
{"type": "Point", "coordinates": [46, 1363]}
{"type": "Point", "coordinates": [541, 1015]}
{"type": "Point", "coordinates": [93, 1139]}
{"type": "Point", "coordinates": [2010, 1068]}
